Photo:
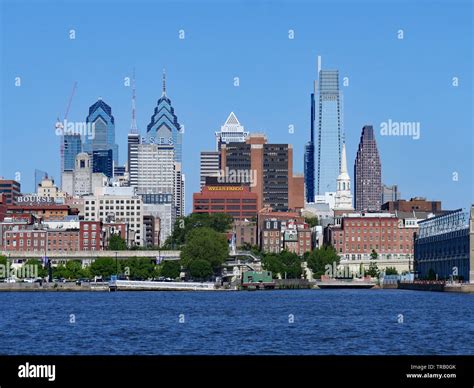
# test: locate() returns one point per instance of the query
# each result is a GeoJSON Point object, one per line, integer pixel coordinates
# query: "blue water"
{"type": "Point", "coordinates": [325, 322]}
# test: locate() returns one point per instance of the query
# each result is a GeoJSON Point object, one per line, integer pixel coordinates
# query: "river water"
{"type": "Point", "coordinates": [294, 322]}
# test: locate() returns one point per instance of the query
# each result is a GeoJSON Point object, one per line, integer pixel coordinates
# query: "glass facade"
{"type": "Point", "coordinates": [329, 132]}
{"type": "Point", "coordinates": [102, 161]}
{"type": "Point", "coordinates": [101, 130]}
{"type": "Point", "coordinates": [72, 147]}
{"type": "Point", "coordinates": [309, 159]}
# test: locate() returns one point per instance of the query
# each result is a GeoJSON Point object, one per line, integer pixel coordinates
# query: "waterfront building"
{"type": "Point", "coordinates": [444, 246]}
{"type": "Point", "coordinates": [72, 146]}
{"type": "Point", "coordinates": [267, 168]}
{"type": "Point", "coordinates": [102, 162]}
{"type": "Point", "coordinates": [234, 199]}
{"type": "Point", "coordinates": [151, 226]}
{"type": "Point", "coordinates": [367, 173]}
{"type": "Point", "coordinates": [359, 234]}
{"type": "Point", "coordinates": [209, 165]}
{"type": "Point", "coordinates": [47, 189]}
{"type": "Point", "coordinates": [117, 204]}
{"type": "Point", "coordinates": [41, 210]}
{"type": "Point", "coordinates": [11, 190]}
{"type": "Point", "coordinates": [297, 238]}
{"type": "Point", "coordinates": [330, 131]}
{"type": "Point", "coordinates": [82, 180]}
{"type": "Point", "coordinates": [419, 204]}
{"type": "Point", "coordinates": [288, 234]}
{"type": "Point", "coordinates": [390, 194]}
{"type": "Point", "coordinates": [101, 125]}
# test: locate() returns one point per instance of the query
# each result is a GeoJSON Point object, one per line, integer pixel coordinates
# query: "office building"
{"type": "Point", "coordinates": [11, 190]}
{"type": "Point", "coordinates": [209, 165]}
{"type": "Point", "coordinates": [367, 173]}
{"type": "Point", "coordinates": [102, 162]}
{"type": "Point", "coordinates": [72, 146]}
{"type": "Point", "coordinates": [419, 204]}
{"type": "Point", "coordinates": [82, 181]}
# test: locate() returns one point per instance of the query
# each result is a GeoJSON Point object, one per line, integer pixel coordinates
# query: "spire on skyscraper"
{"type": "Point", "coordinates": [133, 126]}
{"type": "Point", "coordinates": [163, 93]}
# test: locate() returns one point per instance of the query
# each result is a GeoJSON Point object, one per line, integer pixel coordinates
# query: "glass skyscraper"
{"type": "Point", "coordinates": [164, 128]}
{"type": "Point", "coordinates": [329, 140]}
{"type": "Point", "coordinates": [102, 161]}
{"type": "Point", "coordinates": [72, 147]}
{"type": "Point", "coordinates": [309, 159]}
{"type": "Point", "coordinates": [101, 130]}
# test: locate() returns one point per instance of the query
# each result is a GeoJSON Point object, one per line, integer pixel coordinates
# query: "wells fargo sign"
{"type": "Point", "coordinates": [225, 188]}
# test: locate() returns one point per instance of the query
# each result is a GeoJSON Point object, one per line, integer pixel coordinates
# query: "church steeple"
{"type": "Point", "coordinates": [343, 199]}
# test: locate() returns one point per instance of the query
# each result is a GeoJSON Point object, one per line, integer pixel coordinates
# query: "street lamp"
{"type": "Point", "coordinates": [116, 264]}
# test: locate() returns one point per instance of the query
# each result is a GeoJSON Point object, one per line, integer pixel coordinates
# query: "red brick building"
{"type": "Point", "coordinates": [235, 200]}
{"type": "Point", "coordinates": [43, 211]}
{"type": "Point", "coordinates": [359, 234]}
{"type": "Point", "coordinates": [414, 204]}
{"type": "Point", "coordinates": [90, 236]}
{"type": "Point", "coordinates": [11, 190]}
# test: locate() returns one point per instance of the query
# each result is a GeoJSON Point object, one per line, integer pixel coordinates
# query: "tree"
{"type": "Point", "coordinates": [170, 269]}
{"type": "Point", "coordinates": [391, 271]}
{"type": "Point", "coordinates": [117, 243]}
{"type": "Point", "coordinates": [319, 259]}
{"type": "Point", "coordinates": [205, 244]}
{"type": "Point", "coordinates": [200, 269]}
{"type": "Point", "coordinates": [373, 268]}
{"type": "Point", "coordinates": [374, 255]}
{"type": "Point", "coordinates": [104, 267]}
{"type": "Point", "coordinates": [311, 221]}
{"type": "Point", "coordinates": [42, 272]}
{"type": "Point", "coordinates": [271, 262]}
{"type": "Point", "coordinates": [139, 269]}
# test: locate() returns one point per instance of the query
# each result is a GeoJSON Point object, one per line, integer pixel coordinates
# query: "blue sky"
{"type": "Point", "coordinates": [405, 80]}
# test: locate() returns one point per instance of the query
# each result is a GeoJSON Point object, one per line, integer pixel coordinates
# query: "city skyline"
{"type": "Point", "coordinates": [215, 87]}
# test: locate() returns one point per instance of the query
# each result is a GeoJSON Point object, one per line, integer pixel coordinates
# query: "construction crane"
{"type": "Point", "coordinates": [60, 128]}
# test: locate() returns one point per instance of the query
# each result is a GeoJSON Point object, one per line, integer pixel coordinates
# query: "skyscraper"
{"type": "Point", "coordinates": [102, 161]}
{"type": "Point", "coordinates": [309, 159]}
{"type": "Point", "coordinates": [209, 165]}
{"type": "Point", "coordinates": [329, 131]}
{"type": "Point", "coordinates": [164, 127]}
{"type": "Point", "coordinates": [72, 147]}
{"type": "Point", "coordinates": [133, 141]}
{"type": "Point", "coordinates": [367, 173]}
{"type": "Point", "coordinates": [231, 132]}
{"type": "Point", "coordinates": [103, 130]}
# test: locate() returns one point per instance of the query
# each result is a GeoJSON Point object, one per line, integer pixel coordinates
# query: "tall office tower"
{"type": "Point", "coordinates": [39, 176]}
{"type": "Point", "coordinates": [72, 147]}
{"type": "Point", "coordinates": [309, 159]}
{"type": "Point", "coordinates": [367, 173]}
{"type": "Point", "coordinates": [390, 193]}
{"type": "Point", "coordinates": [209, 165]}
{"type": "Point", "coordinates": [102, 161]}
{"type": "Point", "coordinates": [164, 128]}
{"type": "Point", "coordinates": [329, 131]}
{"type": "Point", "coordinates": [82, 180]}
{"type": "Point", "coordinates": [267, 168]}
{"type": "Point", "coordinates": [101, 130]}
{"type": "Point", "coordinates": [133, 140]}
{"type": "Point", "coordinates": [343, 198]}
{"type": "Point", "coordinates": [231, 132]}
{"type": "Point", "coordinates": [155, 169]}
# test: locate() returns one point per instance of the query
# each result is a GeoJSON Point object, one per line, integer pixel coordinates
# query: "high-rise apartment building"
{"type": "Point", "coordinates": [367, 173]}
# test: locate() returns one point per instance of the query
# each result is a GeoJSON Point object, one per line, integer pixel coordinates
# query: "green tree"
{"type": "Point", "coordinates": [373, 269]}
{"type": "Point", "coordinates": [391, 271]}
{"type": "Point", "coordinates": [139, 269]}
{"type": "Point", "coordinates": [319, 259]}
{"type": "Point", "coordinates": [3, 260]}
{"type": "Point", "coordinates": [117, 243]}
{"type": "Point", "coordinates": [104, 267]}
{"type": "Point", "coordinates": [271, 262]}
{"type": "Point", "coordinates": [42, 272]}
{"type": "Point", "coordinates": [374, 255]}
{"type": "Point", "coordinates": [170, 269]}
{"type": "Point", "coordinates": [311, 221]}
{"type": "Point", "coordinates": [200, 269]}
{"type": "Point", "coordinates": [205, 244]}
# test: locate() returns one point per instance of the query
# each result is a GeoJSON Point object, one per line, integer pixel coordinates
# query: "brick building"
{"type": "Point", "coordinates": [414, 204]}
{"type": "Point", "coordinates": [11, 190]}
{"type": "Point", "coordinates": [235, 200]}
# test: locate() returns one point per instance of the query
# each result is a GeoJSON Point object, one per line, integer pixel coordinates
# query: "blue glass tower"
{"type": "Point", "coordinates": [102, 161]}
{"type": "Point", "coordinates": [164, 127]}
{"type": "Point", "coordinates": [72, 147]}
{"type": "Point", "coordinates": [329, 132]}
{"type": "Point", "coordinates": [309, 160]}
{"type": "Point", "coordinates": [100, 130]}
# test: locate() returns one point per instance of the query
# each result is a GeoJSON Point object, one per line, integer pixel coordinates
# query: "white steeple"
{"type": "Point", "coordinates": [343, 199]}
